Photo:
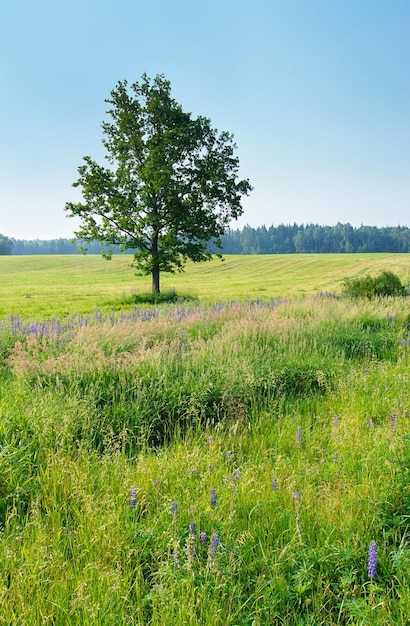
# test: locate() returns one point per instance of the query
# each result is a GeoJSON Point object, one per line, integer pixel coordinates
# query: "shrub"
{"type": "Point", "coordinates": [385, 284]}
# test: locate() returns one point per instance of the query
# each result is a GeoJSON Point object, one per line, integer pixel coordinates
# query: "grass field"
{"type": "Point", "coordinates": [242, 459]}
{"type": "Point", "coordinates": [54, 285]}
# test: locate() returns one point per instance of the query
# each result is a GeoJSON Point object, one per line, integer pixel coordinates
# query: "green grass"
{"type": "Point", "coordinates": [182, 399]}
{"type": "Point", "coordinates": [43, 286]}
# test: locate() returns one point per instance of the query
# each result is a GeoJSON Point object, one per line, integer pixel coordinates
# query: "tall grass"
{"type": "Point", "coordinates": [263, 446]}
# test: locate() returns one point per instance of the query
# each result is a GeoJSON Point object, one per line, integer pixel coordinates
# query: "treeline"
{"type": "Point", "coordinates": [282, 239]}
{"type": "Point", "coordinates": [312, 238]}
{"type": "Point", "coordinates": [51, 246]}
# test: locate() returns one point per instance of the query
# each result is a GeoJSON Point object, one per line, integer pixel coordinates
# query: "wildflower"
{"type": "Point", "coordinates": [299, 436]}
{"type": "Point", "coordinates": [214, 544]}
{"type": "Point", "coordinates": [191, 528]}
{"type": "Point", "coordinates": [372, 562]}
{"type": "Point", "coordinates": [228, 454]}
{"type": "Point", "coordinates": [175, 556]}
{"type": "Point", "coordinates": [203, 538]}
{"type": "Point", "coordinates": [155, 482]}
{"type": "Point", "coordinates": [190, 550]}
{"type": "Point", "coordinates": [174, 508]}
{"type": "Point", "coordinates": [213, 498]}
{"type": "Point", "coordinates": [406, 413]}
{"type": "Point", "coordinates": [274, 485]}
{"type": "Point", "coordinates": [210, 440]}
{"type": "Point", "coordinates": [133, 497]}
{"type": "Point", "coordinates": [371, 423]}
{"type": "Point", "coordinates": [393, 421]}
{"type": "Point", "coordinates": [335, 419]}
{"type": "Point", "coordinates": [296, 498]}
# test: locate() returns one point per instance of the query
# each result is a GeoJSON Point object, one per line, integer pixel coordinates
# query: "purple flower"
{"type": "Point", "coordinates": [203, 538]}
{"type": "Point", "coordinates": [299, 436]}
{"type": "Point", "coordinates": [213, 498]}
{"type": "Point", "coordinates": [174, 508]}
{"type": "Point", "coordinates": [393, 420]}
{"type": "Point", "coordinates": [406, 413]}
{"type": "Point", "coordinates": [191, 528]}
{"type": "Point", "coordinates": [214, 543]}
{"type": "Point", "coordinates": [133, 497]}
{"type": "Point", "coordinates": [228, 453]}
{"type": "Point", "coordinates": [335, 419]}
{"type": "Point", "coordinates": [274, 485]}
{"type": "Point", "coordinates": [372, 562]}
{"type": "Point", "coordinates": [296, 495]}
{"type": "Point", "coordinates": [371, 423]}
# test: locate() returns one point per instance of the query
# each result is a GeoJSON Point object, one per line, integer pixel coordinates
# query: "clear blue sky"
{"type": "Point", "coordinates": [316, 92]}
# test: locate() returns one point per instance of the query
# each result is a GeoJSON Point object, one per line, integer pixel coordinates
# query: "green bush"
{"type": "Point", "coordinates": [385, 284]}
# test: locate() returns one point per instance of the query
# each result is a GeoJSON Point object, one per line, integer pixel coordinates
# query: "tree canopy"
{"type": "Point", "coordinates": [172, 185]}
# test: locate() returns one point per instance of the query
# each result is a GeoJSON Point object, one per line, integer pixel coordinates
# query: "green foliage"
{"type": "Point", "coordinates": [385, 284]}
{"type": "Point", "coordinates": [315, 238]}
{"type": "Point", "coordinates": [84, 409]}
{"type": "Point", "coordinates": [6, 245]}
{"type": "Point", "coordinates": [174, 187]}
{"type": "Point", "coordinates": [157, 298]}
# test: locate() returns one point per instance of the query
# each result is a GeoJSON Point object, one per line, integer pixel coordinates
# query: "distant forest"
{"type": "Point", "coordinates": [282, 239]}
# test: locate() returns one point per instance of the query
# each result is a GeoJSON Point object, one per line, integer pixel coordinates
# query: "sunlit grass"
{"type": "Point", "coordinates": [281, 428]}
{"type": "Point", "coordinates": [65, 284]}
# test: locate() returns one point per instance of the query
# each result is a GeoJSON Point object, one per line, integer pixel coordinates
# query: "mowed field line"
{"type": "Point", "coordinates": [44, 285]}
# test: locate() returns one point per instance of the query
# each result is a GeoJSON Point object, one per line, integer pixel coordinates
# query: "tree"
{"type": "Point", "coordinates": [6, 245]}
{"type": "Point", "coordinates": [172, 186]}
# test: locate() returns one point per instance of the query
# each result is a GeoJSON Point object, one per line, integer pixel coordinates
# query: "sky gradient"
{"type": "Point", "coordinates": [316, 93]}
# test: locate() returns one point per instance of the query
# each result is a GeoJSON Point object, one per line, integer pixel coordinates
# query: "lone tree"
{"type": "Point", "coordinates": [172, 186]}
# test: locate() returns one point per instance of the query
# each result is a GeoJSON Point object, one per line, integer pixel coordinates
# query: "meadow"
{"type": "Point", "coordinates": [237, 458]}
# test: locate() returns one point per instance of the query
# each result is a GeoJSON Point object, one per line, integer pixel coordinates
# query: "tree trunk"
{"type": "Point", "coordinates": [155, 279]}
{"type": "Point", "coordinates": [155, 264]}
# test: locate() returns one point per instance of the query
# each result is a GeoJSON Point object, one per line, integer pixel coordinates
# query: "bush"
{"type": "Point", "coordinates": [385, 284]}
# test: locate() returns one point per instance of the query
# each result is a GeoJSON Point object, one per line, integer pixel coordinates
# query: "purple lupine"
{"type": "Point", "coordinates": [175, 556]}
{"type": "Point", "coordinates": [296, 499]}
{"type": "Point", "coordinates": [214, 544]}
{"type": "Point", "coordinates": [191, 528]}
{"type": "Point", "coordinates": [174, 508]}
{"type": "Point", "coordinates": [133, 497]}
{"type": "Point", "coordinates": [372, 562]}
{"type": "Point", "coordinates": [393, 421]}
{"type": "Point", "coordinates": [274, 485]}
{"type": "Point", "coordinates": [335, 419]}
{"type": "Point", "coordinates": [190, 550]}
{"type": "Point", "coordinates": [203, 538]}
{"type": "Point", "coordinates": [213, 498]}
{"type": "Point", "coordinates": [299, 436]}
